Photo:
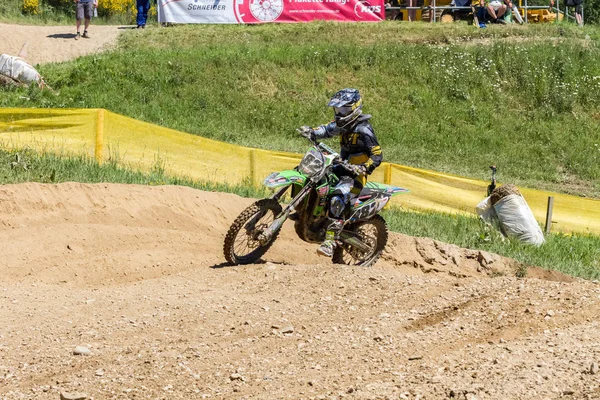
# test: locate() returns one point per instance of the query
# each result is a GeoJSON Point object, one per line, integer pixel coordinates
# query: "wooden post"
{"type": "Point", "coordinates": [252, 166]}
{"type": "Point", "coordinates": [387, 174]}
{"type": "Point", "coordinates": [99, 150]}
{"type": "Point", "coordinates": [549, 214]}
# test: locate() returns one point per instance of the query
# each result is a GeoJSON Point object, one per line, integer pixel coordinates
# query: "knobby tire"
{"type": "Point", "coordinates": [229, 250]}
{"type": "Point", "coordinates": [343, 252]}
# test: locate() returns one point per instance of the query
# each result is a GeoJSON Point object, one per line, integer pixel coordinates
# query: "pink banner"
{"type": "Point", "coordinates": [259, 11]}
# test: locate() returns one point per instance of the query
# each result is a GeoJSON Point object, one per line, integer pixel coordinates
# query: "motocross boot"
{"type": "Point", "coordinates": [331, 235]}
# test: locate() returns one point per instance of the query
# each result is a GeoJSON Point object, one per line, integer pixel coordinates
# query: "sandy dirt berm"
{"type": "Point", "coordinates": [134, 278]}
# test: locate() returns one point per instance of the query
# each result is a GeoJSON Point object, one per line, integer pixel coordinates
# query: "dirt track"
{"type": "Point", "coordinates": [135, 274]}
{"type": "Point", "coordinates": [47, 44]}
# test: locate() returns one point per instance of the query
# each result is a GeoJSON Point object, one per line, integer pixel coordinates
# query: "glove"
{"type": "Point", "coordinates": [357, 169]}
{"type": "Point", "coordinates": [307, 132]}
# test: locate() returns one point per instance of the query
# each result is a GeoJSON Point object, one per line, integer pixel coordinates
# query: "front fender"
{"type": "Point", "coordinates": [285, 178]}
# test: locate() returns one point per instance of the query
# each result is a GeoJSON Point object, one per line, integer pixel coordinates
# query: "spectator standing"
{"type": "Point", "coordinates": [143, 6]}
{"type": "Point", "coordinates": [578, 4]}
{"type": "Point", "coordinates": [412, 14]}
{"type": "Point", "coordinates": [85, 10]}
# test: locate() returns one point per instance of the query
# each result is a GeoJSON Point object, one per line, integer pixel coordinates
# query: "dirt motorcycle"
{"type": "Point", "coordinates": [364, 234]}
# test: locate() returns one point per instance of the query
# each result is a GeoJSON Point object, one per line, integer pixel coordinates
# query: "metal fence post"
{"type": "Point", "coordinates": [526, 9]}
{"type": "Point", "coordinates": [99, 148]}
{"type": "Point", "coordinates": [549, 214]}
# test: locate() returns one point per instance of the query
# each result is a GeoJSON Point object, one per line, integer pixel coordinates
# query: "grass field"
{"type": "Point", "coordinates": [450, 98]}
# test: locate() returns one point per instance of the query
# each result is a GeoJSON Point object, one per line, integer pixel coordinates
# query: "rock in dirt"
{"type": "Point", "coordinates": [237, 377]}
{"type": "Point", "coordinates": [73, 396]}
{"type": "Point", "coordinates": [287, 329]}
{"type": "Point", "coordinates": [485, 259]}
{"type": "Point", "coordinates": [82, 351]}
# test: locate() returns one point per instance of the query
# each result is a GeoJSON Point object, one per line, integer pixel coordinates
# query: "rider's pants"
{"type": "Point", "coordinates": [342, 193]}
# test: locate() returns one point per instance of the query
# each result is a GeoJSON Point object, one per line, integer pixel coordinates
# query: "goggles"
{"type": "Point", "coordinates": [342, 111]}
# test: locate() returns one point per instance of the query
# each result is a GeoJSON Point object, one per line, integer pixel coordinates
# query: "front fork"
{"type": "Point", "coordinates": [251, 224]}
{"type": "Point", "coordinates": [268, 233]}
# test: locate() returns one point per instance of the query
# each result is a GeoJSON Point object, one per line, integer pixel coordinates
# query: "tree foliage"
{"type": "Point", "coordinates": [591, 11]}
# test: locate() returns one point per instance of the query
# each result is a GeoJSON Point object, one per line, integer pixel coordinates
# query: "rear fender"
{"type": "Point", "coordinates": [376, 197]}
{"type": "Point", "coordinates": [387, 190]}
{"type": "Point", "coordinates": [367, 209]}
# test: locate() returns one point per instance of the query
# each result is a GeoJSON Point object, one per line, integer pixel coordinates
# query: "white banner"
{"type": "Point", "coordinates": [197, 11]}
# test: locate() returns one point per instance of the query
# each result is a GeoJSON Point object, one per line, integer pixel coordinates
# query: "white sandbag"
{"type": "Point", "coordinates": [18, 69]}
{"type": "Point", "coordinates": [517, 220]}
{"type": "Point", "coordinates": [485, 211]}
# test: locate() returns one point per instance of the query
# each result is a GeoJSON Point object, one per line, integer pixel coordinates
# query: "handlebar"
{"type": "Point", "coordinates": [309, 135]}
{"type": "Point", "coordinates": [345, 164]}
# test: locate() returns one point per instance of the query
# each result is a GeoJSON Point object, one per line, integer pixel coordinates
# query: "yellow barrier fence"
{"type": "Point", "coordinates": [104, 136]}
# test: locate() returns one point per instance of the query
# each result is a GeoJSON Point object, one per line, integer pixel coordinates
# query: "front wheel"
{"type": "Point", "coordinates": [242, 245]}
{"type": "Point", "coordinates": [372, 232]}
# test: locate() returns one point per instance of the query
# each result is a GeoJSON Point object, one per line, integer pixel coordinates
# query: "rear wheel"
{"type": "Point", "coordinates": [374, 234]}
{"type": "Point", "coordinates": [241, 242]}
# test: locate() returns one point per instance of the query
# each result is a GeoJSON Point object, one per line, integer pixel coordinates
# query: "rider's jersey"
{"type": "Point", "coordinates": [358, 143]}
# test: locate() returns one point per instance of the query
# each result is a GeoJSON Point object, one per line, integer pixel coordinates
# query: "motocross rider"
{"type": "Point", "coordinates": [359, 146]}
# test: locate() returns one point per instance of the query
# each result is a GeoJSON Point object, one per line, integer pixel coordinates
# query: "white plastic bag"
{"type": "Point", "coordinates": [517, 220]}
{"type": "Point", "coordinates": [18, 69]}
{"type": "Point", "coordinates": [485, 211]}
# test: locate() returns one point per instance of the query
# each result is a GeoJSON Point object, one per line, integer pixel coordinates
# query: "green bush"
{"type": "Point", "coordinates": [62, 6]}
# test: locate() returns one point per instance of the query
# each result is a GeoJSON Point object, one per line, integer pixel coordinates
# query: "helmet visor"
{"type": "Point", "coordinates": [342, 111]}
